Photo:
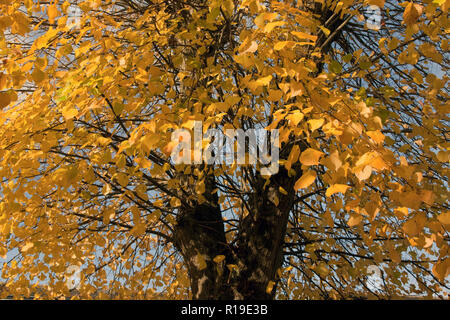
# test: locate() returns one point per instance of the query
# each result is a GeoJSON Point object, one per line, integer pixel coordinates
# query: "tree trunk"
{"type": "Point", "coordinates": [200, 237]}
{"type": "Point", "coordinates": [261, 238]}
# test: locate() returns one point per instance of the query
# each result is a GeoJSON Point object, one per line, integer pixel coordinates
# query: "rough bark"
{"type": "Point", "coordinates": [200, 237]}
{"type": "Point", "coordinates": [261, 238]}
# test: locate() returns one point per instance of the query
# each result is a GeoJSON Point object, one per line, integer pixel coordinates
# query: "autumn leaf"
{"type": "Point", "coordinates": [252, 48]}
{"type": "Point", "coordinates": [281, 45]}
{"type": "Point", "coordinates": [293, 157]}
{"type": "Point", "coordinates": [310, 157]}
{"type": "Point", "coordinates": [295, 117]}
{"type": "Point", "coordinates": [325, 30]}
{"type": "Point", "coordinates": [38, 75]}
{"type": "Point", "coordinates": [441, 269]}
{"type": "Point", "coordinates": [354, 220]}
{"type": "Point", "coordinates": [272, 25]}
{"type": "Point", "coordinates": [376, 136]}
{"type": "Point", "coordinates": [219, 258]}
{"type": "Point", "coordinates": [264, 81]}
{"type": "Point", "coordinates": [270, 286]}
{"type": "Point", "coordinates": [444, 218]}
{"type": "Point", "coordinates": [69, 113]}
{"type": "Point", "coordinates": [27, 246]}
{"type": "Point", "coordinates": [52, 13]}
{"type": "Point", "coordinates": [305, 180]}
{"type": "Point", "coordinates": [302, 35]}
{"type": "Point", "coordinates": [336, 188]}
{"type": "Point", "coordinates": [315, 124]}
{"type": "Point", "coordinates": [412, 13]}
{"type": "Point", "coordinates": [394, 255]}
{"type": "Point", "coordinates": [5, 99]}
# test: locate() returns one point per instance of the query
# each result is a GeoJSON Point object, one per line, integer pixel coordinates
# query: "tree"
{"type": "Point", "coordinates": [88, 105]}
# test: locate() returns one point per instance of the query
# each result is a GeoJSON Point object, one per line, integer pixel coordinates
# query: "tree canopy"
{"type": "Point", "coordinates": [91, 92]}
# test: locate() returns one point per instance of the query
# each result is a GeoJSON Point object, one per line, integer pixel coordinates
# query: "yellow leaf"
{"type": "Point", "coordinates": [373, 159]}
{"type": "Point", "coordinates": [414, 226]}
{"type": "Point", "coordinates": [138, 230]}
{"type": "Point", "coordinates": [270, 287]}
{"type": "Point", "coordinates": [52, 13]}
{"type": "Point", "coordinates": [411, 200]}
{"type": "Point", "coordinates": [219, 259]}
{"type": "Point", "coordinates": [69, 113]}
{"type": "Point", "coordinates": [232, 267]}
{"type": "Point", "coordinates": [335, 188]}
{"type": "Point", "coordinates": [315, 124]}
{"type": "Point", "coordinates": [402, 211]}
{"type": "Point", "coordinates": [441, 269]}
{"type": "Point", "coordinates": [275, 200]}
{"type": "Point", "coordinates": [412, 13]}
{"type": "Point", "coordinates": [378, 164]}
{"type": "Point", "coordinates": [322, 269]}
{"type": "Point", "coordinates": [5, 99]}
{"type": "Point", "coordinates": [305, 180]}
{"type": "Point", "coordinates": [149, 141]}
{"type": "Point", "coordinates": [252, 48]}
{"type": "Point", "coordinates": [333, 161]}
{"type": "Point", "coordinates": [200, 188]}
{"type": "Point", "coordinates": [108, 214]}
{"type": "Point", "coordinates": [310, 157]}
{"type": "Point", "coordinates": [259, 20]}
{"type": "Point", "coordinates": [27, 246]}
{"type": "Point", "coordinates": [394, 255]}
{"type": "Point", "coordinates": [188, 124]}
{"type": "Point", "coordinates": [264, 81]}
{"type": "Point", "coordinates": [270, 26]}
{"type": "Point", "coordinates": [293, 157]}
{"type": "Point", "coordinates": [364, 173]}
{"type": "Point", "coordinates": [376, 136]}
{"type": "Point", "coordinates": [282, 190]}
{"type": "Point", "coordinates": [365, 159]}
{"type": "Point", "coordinates": [302, 35]}
{"type": "Point", "coordinates": [325, 30]}
{"type": "Point", "coordinates": [328, 218]}
{"type": "Point", "coordinates": [232, 100]}
{"type": "Point", "coordinates": [280, 45]}
{"type": "Point", "coordinates": [244, 59]}
{"type": "Point", "coordinates": [427, 196]}
{"type": "Point", "coordinates": [122, 178]}
{"type": "Point", "coordinates": [443, 156]}
{"type": "Point", "coordinates": [444, 218]}
{"type": "Point", "coordinates": [296, 89]}
{"type": "Point", "coordinates": [4, 79]}
{"type": "Point", "coordinates": [275, 95]}
{"type": "Point", "coordinates": [104, 141]}
{"type": "Point", "coordinates": [38, 75]}
{"type": "Point", "coordinates": [295, 117]}
{"type": "Point", "coordinates": [410, 228]}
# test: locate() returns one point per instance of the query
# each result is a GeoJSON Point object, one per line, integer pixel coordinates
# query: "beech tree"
{"type": "Point", "coordinates": [91, 92]}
